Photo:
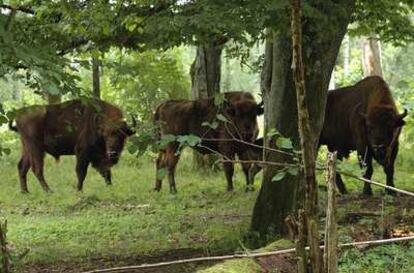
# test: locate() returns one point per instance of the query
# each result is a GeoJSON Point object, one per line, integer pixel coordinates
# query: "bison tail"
{"type": "Point", "coordinates": [11, 126]}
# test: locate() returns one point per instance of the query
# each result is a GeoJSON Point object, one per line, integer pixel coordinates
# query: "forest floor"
{"type": "Point", "coordinates": [128, 223]}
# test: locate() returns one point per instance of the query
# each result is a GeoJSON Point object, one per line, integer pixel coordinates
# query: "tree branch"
{"type": "Point", "coordinates": [21, 8]}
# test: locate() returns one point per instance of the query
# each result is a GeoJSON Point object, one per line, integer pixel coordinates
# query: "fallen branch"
{"type": "Point", "coordinates": [240, 256]}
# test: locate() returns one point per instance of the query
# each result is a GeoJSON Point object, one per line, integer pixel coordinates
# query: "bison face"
{"type": "Point", "coordinates": [382, 128]}
{"type": "Point", "coordinates": [115, 140]}
{"type": "Point", "coordinates": [243, 116]}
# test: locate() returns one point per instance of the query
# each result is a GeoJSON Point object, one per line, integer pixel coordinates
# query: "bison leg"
{"type": "Point", "coordinates": [368, 174]}
{"type": "Point", "coordinates": [37, 168]}
{"type": "Point", "coordinates": [172, 160]}
{"type": "Point", "coordinates": [159, 166]}
{"type": "Point", "coordinates": [229, 171]}
{"type": "Point", "coordinates": [106, 174]}
{"type": "Point", "coordinates": [249, 171]}
{"type": "Point", "coordinates": [23, 167]}
{"type": "Point", "coordinates": [389, 170]}
{"type": "Point", "coordinates": [81, 170]}
{"type": "Point", "coordinates": [340, 184]}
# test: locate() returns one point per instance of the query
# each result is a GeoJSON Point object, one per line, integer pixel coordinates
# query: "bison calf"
{"type": "Point", "coordinates": [186, 117]}
{"type": "Point", "coordinates": [92, 130]}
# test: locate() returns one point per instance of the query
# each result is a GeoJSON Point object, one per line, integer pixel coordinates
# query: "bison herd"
{"type": "Point", "coordinates": [361, 118]}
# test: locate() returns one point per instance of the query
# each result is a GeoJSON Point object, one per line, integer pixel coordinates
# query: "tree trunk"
{"type": "Point", "coordinates": [371, 57]}
{"type": "Point", "coordinates": [307, 142]}
{"type": "Point", "coordinates": [205, 83]}
{"type": "Point", "coordinates": [347, 52]}
{"type": "Point", "coordinates": [277, 200]}
{"type": "Point", "coordinates": [96, 84]}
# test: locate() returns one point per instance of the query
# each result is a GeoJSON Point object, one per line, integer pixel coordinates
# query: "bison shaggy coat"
{"type": "Point", "coordinates": [363, 117]}
{"type": "Point", "coordinates": [92, 130]}
{"type": "Point", "coordinates": [187, 117]}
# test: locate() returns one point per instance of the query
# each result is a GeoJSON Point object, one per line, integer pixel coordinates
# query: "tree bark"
{"type": "Point", "coordinates": [205, 83]}
{"type": "Point", "coordinates": [371, 57]}
{"type": "Point", "coordinates": [277, 200]}
{"type": "Point", "coordinates": [331, 237]}
{"type": "Point", "coordinates": [96, 84]}
{"type": "Point", "coordinates": [307, 141]}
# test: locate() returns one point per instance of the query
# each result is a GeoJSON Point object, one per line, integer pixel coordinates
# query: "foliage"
{"type": "Point", "coordinates": [391, 20]}
{"type": "Point", "coordinates": [140, 81]}
{"type": "Point", "coordinates": [389, 258]}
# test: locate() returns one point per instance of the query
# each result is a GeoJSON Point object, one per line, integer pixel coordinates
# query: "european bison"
{"type": "Point", "coordinates": [186, 117]}
{"type": "Point", "coordinates": [91, 129]}
{"type": "Point", "coordinates": [363, 117]}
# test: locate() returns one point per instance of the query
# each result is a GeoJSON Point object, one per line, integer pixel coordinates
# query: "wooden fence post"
{"type": "Point", "coordinates": [331, 242]}
{"type": "Point", "coordinates": [4, 254]}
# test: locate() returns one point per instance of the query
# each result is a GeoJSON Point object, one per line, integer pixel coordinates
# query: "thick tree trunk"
{"type": "Point", "coordinates": [96, 84]}
{"type": "Point", "coordinates": [371, 57]}
{"type": "Point", "coordinates": [205, 83]}
{"type": "Point", "coordinates": [277, 200]}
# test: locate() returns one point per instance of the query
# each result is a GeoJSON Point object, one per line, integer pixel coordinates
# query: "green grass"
{"type": "Point", "coordinates": [129, 219]}
{"type": "Point", "coordinates": [126, 219]}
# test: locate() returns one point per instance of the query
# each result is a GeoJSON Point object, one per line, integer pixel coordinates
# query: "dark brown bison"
{"type": "Point", "coordinates": [91, 129]}
{"type": "Point", "coordinates": [186, 117]}
{"type": "Point", "coordinates": [363, 117]}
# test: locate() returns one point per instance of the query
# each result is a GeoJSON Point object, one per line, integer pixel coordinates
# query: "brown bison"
{"type": "Point", "coordinates": [91, 129]}
{"type": "Point", "coordinates": [186, 117]}
{"type": "Point", "coordinates": [363, 117]}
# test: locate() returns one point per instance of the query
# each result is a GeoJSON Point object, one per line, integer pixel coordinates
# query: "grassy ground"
{"type": "Point", "coordinates": [130, 221]}
{"type": "Point", "coordinates": [125, 219]}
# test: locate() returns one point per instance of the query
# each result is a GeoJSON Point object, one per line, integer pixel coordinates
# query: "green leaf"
{"type": "Point", "coordinates": [279, 176]}
{"type": "Point", "coordinates": [284, 143]}
{"type": "Point", "coordinates": [165, 140]}
{"type": "Point", "coordinates": [212, 125]}
{"type": "Point", "coordinates": [190, 140]}
{"type": "Point", "coordinates": [293, 171]}
{"type": "Point", "coordinates": [272, 132]}
{"type": "Point", "coordinates": [7, 151]}
{"type": "Point", "coordinates": [222, 118]}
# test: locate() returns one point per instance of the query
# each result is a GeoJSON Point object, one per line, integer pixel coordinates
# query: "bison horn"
{"type": "Point", "coordinates": [403, 115]}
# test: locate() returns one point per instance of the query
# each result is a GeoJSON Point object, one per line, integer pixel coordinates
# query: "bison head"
{"type": "Point", "coordinates": [114, 136]}
{"type": "Point", "coordinates": [243, 115]}
{"type": "Point", "coordinates": [382, 125]}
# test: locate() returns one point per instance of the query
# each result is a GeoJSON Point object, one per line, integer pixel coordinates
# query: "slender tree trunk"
{"type": "Point", "coordinates": [347, 52]}
{"type": "Point", "coordinates": [277, 200]}
{"type": "Point", "coordinates": [371, 57]}
{"type": "Point", "coordinates": [96, 84]}
{"type": "Point", "coordinates": [307, 142]}
{"type": "Point", "coordinates": [205, 83]}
